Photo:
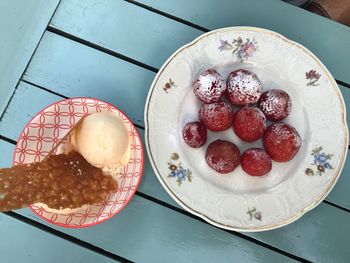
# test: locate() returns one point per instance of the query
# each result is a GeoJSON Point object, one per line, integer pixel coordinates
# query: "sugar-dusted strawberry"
{"type": "Point", "coordinates": [217, 116]}
{"type": "Point", "coordinates": [275, 104]}
{"type": "Point", "coordinates": [243, 88]}
{"type": "Point", "coordinates": [209, 86]}
{"type": "Point", "coordinates": [249, 124]}
{"type": "Point", "coordinates": [195, 134]}
{"type": "Point", "coordinates": [256, 162]}
{"type": "Point", "coordinates": [282, 142]}
{"type": "Point", "coordinates": [223, 156]}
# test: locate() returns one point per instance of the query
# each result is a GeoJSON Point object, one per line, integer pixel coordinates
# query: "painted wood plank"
{"type": "Point", "coordinates": [329, 40]}
{"type": "Point", "coordinates": [146, 37]}
{"type": "Point", "coordinates": [21, 242]}
{"type": "Point", "coordinates": [147, 232]}
{"type": "Point", "coordinates": [320, 224]}
{"type": "Point", "coordinates": [22, 24]}
{"type": "Point", "coordinates": [70, 68]}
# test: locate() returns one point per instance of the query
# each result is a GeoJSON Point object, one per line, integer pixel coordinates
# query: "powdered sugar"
{"type": "Point", "coordinates": [209, 86]}
{"type": "Point", "coordinates": [243, 87]}
{"type": "Point", "coordinates": [217, 116]}
{"type": "Point", "coordinates": [284, 132]}
{"type": "Point", "coordinates": [256, 153]}
{"type": "Point", "coordinates": [275, 104]}
{"type": "Point", "coordinates": [256, 162]}
{"type": "Point", "coordinates": [249, 124]}
{"type": "Point", "coordinates": [282, 142]}
{"type": "Point", "coordinates": [222, 156]}
{"type": "Point", "coordinates": [194, 134]}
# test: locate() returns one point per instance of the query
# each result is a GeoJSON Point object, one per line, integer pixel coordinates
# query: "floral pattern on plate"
{"type": "Point", "coordinates": [229, 201]}
{"type": "Point", "coordinates": [241, 49]}
{"type": "Point", "coordinates": [321, 162]}
{"type": "Point", "coordinates": [253, 213]}
{"type": "Point", "coordinates": [177, 171]}
{"type": "Point", "coordinates": [169, 85]}
{"type": "Point", "coordinates": [312, 76]}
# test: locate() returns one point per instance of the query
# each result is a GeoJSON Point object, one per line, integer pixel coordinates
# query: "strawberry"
{"type": "Point", "coordinates": [282, 142]}
{"type": "Point", "coordinates": [256, 162]}
{"type": "Point", "coordinates": [195, 134]}
{"type": "Point", "coordinates": [249, 124]}
{"type": "Point", "coordinates": [275, 104]}
{"type": "Point", "coordinates": [217, 116]}
{"type": "Point", "coordinates": [209, 86]}
{"type": "Point", "coordinates": [243, 88]}
{"type": "Point", "coordinates": [222, 156]}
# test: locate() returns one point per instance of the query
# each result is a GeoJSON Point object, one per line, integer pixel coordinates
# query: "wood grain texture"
{"type": "Point", "coordinates": [21, 242]}
{"type": "Point", "coordinates": [327, 39]}
{"type": "Point", "coordinates": [70, 68]}
{"type": "Point", "coordinates": [73, 69]}
{"type": "Point", "coordinates": [22, 24]}
{"type": "Point", "coordinates": [147, 232]}
{"type": "Point", "coordinates": [311, 237]}
{"type": "Point", "coordinates": [127, 29]}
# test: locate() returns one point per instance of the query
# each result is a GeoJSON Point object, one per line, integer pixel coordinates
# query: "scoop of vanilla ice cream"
{"type": "Point", "coordinates": [103, 139]}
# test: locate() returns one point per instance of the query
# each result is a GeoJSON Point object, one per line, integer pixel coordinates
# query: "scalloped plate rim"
{"type": "Point", "coordinates": [204, 217]}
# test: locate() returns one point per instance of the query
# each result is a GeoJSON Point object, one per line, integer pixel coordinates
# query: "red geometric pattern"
{"type": "Point", "coordinates": [48, 127]}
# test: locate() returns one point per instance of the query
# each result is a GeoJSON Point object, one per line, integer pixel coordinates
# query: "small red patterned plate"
{"type": "Point", "coordinates": [48, 127]}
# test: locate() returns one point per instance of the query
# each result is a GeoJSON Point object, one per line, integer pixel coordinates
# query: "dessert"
{"type": "Point", "coordinates": [256, 162]}
{"type": "Point", "coordinates": [281, 142]}
{"type": "Point", "coordinates": [275, 104]}
{"type": "Point", "coordinates": [102, 138]}
{"type": "Point", "coordinates": [100, 143]}
{"type": "Point", "coordinates": [60, 181]}
{"type": "Point", "coordinates": [195, 134]}
{"type": "Point", "coordinates": [217, 116]}
{"type": "Point", "coordinates": [209, 86]}
{"type": "Point", "coordinates": [243, 88]}
{"type": "Point", "coordinates": [222, 156]}
{"type": "Point", "coordinates": [249, 124]}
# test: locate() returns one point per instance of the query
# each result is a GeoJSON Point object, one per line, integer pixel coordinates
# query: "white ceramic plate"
{"type": "Point", "coordinates": [237, 201]}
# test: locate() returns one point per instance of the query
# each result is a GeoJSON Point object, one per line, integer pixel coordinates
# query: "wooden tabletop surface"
{"type": "Point", "coordinates": [112, 50]}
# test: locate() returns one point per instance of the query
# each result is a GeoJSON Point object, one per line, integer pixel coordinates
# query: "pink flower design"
{"type": "Point", "coordinates": [312, 76]}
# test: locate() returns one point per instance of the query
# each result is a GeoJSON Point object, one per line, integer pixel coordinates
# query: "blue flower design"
{"type": "Point", "coordinates": [321, 161]}
{"type": "Point", "coordinates": [172, 174]}
{"type": "Point", "coordinates": [177, 171]}
{"type": "Point", "coordinates": [320, 158]}
{"type": "Point", "coordinates": [181, 173]}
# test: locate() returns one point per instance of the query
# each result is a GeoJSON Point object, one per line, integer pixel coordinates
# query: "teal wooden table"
{"type": "Point", "coordinates": [111, 50]}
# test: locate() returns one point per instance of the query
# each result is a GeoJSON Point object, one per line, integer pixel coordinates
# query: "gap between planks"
{"type": "Point", "coordinates": [67, 237]}
{"type": "Point", "coordinates": [30, 60]}
{"type": "Point", "coordinates": [115, 54]}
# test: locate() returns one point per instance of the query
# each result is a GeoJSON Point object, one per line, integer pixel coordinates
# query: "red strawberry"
{"type": "Point", "coordinates": [195, 134]}
{"type": "Point", "coordinates": [222, 156]}
{"type": "Point", "coordinates": [217, 116]}
{"type": "Point", "coordinates": [249, 124]}
{"type": "Point", "coordinates": [243, 87]}
{"type": "Point", "coordinates": [275, 104]}
{"type": "Point", "coordinates": [256, 162]}
{"type": "Point", "coordinates": [282, 142]}
{"type": "Point", "coordinates": [209, 86]}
